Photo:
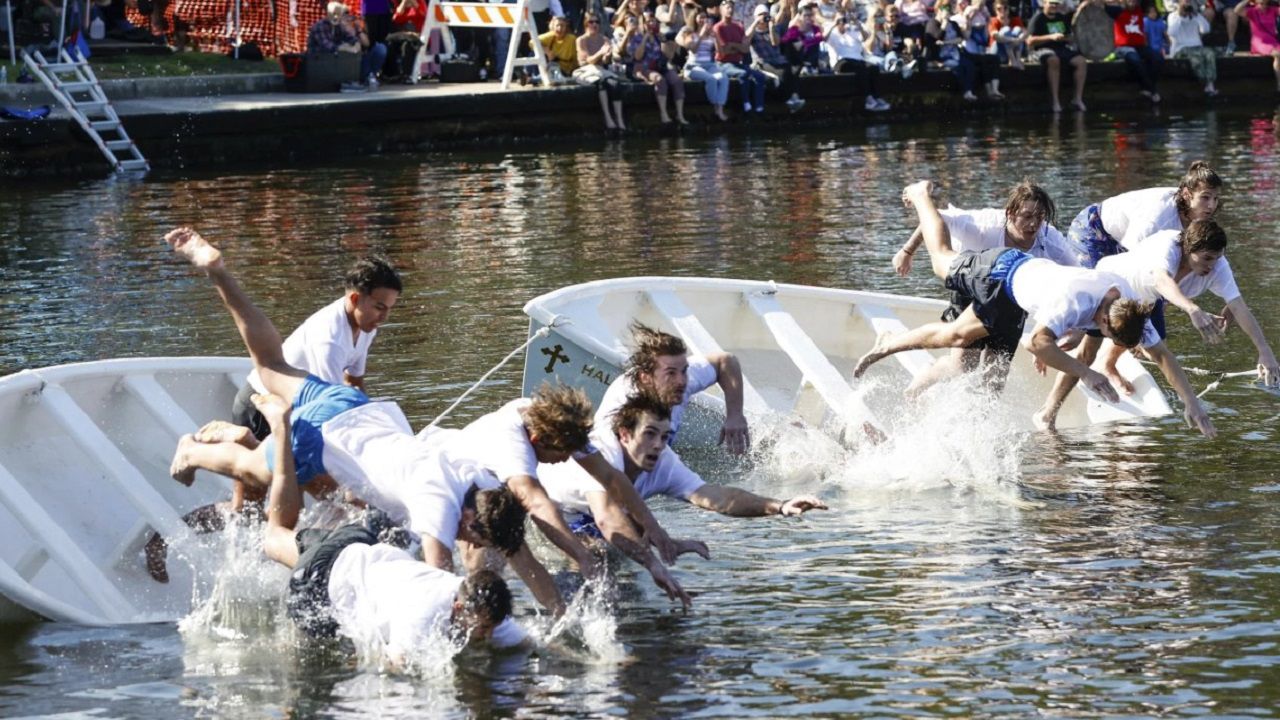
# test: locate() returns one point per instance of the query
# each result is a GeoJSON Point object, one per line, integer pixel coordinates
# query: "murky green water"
{"type": "Point", "coordinates": [1142, 582]}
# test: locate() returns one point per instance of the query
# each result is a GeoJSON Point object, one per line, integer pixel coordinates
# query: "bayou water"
{"type": "Point", "coordinates": [1123, 570]}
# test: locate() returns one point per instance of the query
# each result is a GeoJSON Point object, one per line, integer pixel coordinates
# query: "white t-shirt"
{"type": "Point", "coordinates": [382, 593]}
{"type": "Point", "coordinates": [1185, 32]}
{"type": "Point", "coordinates": [323, 345]}
{"type": "Point", "coordinates": [978, 230]}
{"type": "Point", "coordinates": [1065, 298]}
{"type": "Point", "coordinates": [844, 46]}
{"type": "Point", "coordinates": [1135, 215]}
{"type": "Point", "coordinates": [371, 451]}
{"type": "Point", "coordinates": [1163, 251]}
{"type": "Point", "coordinates": [496, 445]}
{"type": "Point", "coordinates": [568, 485]}
{"type": "Point", "coordinates": [702, 375]}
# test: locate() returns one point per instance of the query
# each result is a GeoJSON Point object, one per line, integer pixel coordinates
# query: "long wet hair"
{"type": "Point", "coordinates": [1199, 176]}
{"type": "Point", "coordinates": [648, 345]}
{"type": "Point", "coordinates": [561, 417]}
{"type": "Point", "coordinates": [1029, 193]}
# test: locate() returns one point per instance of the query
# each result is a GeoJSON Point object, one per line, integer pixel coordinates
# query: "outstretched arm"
{"type": "Point", "coordinates": [284, 499]}
{"type": "Point", "coordinates": [902, 259]}
{"type": "Point", "coordinates": [620, 532]}
{"type": "Point", "coordinates": [734, 435]}
{"type": "Point", "coordinates": [537, 579]}
{"type": "Point", "coordinates": [624, 493]}
{"type": "Point", "coordinates": [547, 517]}
{"type": "Point", "coordinates": [1209, 326]}
{"type": "Point", "coordinates": [1044, 345]}
{"type": "Point", "coordinates": [737, 502]}
{"type": "Point", "coordinates": [1194, 412]}
{"type": "Point", "coordinates": [1268, 369]}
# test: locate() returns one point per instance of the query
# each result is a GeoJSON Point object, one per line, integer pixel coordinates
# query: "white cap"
{"type": "Point", "coordinates": [761, 9]}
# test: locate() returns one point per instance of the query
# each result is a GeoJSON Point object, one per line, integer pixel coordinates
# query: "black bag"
{"type": "Point", "coordinates": [459, 71]}
{"type": "Point", "coordinates": [402, 50]}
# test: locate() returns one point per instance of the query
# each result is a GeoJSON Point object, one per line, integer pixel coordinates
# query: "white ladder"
{"type": "Point", "coordinates": [82, 96]}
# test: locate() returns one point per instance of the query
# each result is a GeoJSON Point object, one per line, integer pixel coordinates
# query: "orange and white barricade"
{"type": "Point", "coordinates": [443, 14]}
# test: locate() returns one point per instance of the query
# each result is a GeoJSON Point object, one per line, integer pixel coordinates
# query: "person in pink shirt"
{"type": "Point", "coordinates": [1261, 15]}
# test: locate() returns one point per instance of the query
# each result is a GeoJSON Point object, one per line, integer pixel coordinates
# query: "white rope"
{"type": "Point", "coordinates": [541, 333]}
{"type": "Point", "coordinates": [1217, 381]}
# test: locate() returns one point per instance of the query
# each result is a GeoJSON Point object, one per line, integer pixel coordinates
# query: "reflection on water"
{"type": "Point", "coordinates": [964, 569]}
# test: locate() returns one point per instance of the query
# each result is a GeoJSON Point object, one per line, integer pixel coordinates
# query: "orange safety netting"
{"type": "Point", "coordinates": [274, 25]}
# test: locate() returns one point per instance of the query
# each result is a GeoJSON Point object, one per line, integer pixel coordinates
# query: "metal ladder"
{"type": "Point", "coordinates": [82, 96]}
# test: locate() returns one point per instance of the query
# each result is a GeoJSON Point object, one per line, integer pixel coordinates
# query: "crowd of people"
{"type": "Point", "coordinates": [303, 422]}
{"type": "Point", "coordinates": [766, 47]}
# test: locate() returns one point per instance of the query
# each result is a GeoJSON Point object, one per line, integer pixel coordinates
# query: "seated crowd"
{"type": "Point", "coordinates": [766, 47]}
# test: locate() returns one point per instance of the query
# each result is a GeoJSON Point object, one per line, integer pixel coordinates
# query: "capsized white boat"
{"type": "Point", "coordinates": [797, 346]}
{"type": "Point", "coordinates": [84, 482]}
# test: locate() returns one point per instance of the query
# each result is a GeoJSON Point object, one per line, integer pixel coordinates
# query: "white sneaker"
{"type": "Point", "coordinates": [352, 87]}
{"type": "Point", "coordinates": [795, 103]}
{"type": "Point", "coordinates": [881, 105]}
{"type": "Point", "coordinates": [746, 107]}
{"type": "Point", "coordinates": [871, 104]}
{"type": "Point", "coordinates": [372, 82]}
{"type": "Point", "coordinates": [908, 70]}
{"type": "Point", "coordinates": [484, 74]}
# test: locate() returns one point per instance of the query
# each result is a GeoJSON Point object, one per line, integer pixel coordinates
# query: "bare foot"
{"type": "Point", "coordinates": [1078, 104]}
{"type": "Point", "coordinates": [273, 407]}
{"type": "Point", "coordinates": [156, 551]}
{"type": "Point", "coordinates": [1045, 420]}
{"type": "Point", "coordinates": [217, 431]}
{"type": "Point", "coordinates": [877, 352]}
{"type": "Point", "coordinates": [917, 191]}
{"type": "Point", "coordinates": [1057, 108]}
{"type": "Point", "coordinates": [188, 243]}
{"type": "Point", "coordinates": [181, 468]}
{"type": "Point", "coordinates": [1119, 380]}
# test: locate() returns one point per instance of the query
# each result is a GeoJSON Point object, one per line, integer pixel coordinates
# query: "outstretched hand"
{"type": "Point", "coordinates": [800, 504]}
{"type": "Point", "coordinates": [1211, 327]}
{"type": "Point", "coordinates": [735, 436]}
{"type": "Point", "coordinates": [664, 580]}
{"type": "Point", "coordinates": [1099, 383]}
{"type": "Point", "coordinates": [1197, 418]}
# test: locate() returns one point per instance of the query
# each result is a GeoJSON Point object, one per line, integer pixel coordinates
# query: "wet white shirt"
{"type": "Point", "coordinates": [1163, 251]}
{"type": "Point", "coordinates": [384, 595]}
{"type": "Point", "coordinates": [702, 375]}
{"type": "Point", "coordinates": [1065, 298]}
{"type": "Point", "coordinates": [568, 485]}
{"type": "Point", "coordinates": [324, 346]}
{"type": "Point", "coordinates": [1133, 216]}
{"type": "Point", "coordinates": [984, 229]}
{"type": "Point", "coordinates": [371, 451]}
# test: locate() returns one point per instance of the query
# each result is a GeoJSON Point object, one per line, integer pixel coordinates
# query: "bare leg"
{"type": "Point", "coordinates": [1082, 69]}
{"type": "Point", "coordinates": [954, 363]}
{"type": "Point", "coordinates": [937, 238]}
{"type": "Point", "coordinates": [224, 458]}
{"type": "Point", "coordinates": [1046, 417]}
{"type": "Point", "coordinates": [617, 115]}
{"type": "Point", "coordinates": [1053, 74]}
{"type": "Point", "coordinates": [604, 107]}
{"type": "Point", "coordinates": [680, 112]}
{"type": "Point", "coordinates": [216, 431]}
{"type": "Point", "coordinates": [961, 332]}
{"type": "Point", "coordinates": [260, 337]}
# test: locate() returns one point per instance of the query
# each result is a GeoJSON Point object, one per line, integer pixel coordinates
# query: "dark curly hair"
{"type": "Point", "coordinates": [485, 595]}
{"type": "Point", "coordinates": [372, 272]}
{"type": "Point", "coordinates": [499, 517]}
{"type": "Point", "coordinates": [561, 417]}
{"type": "Point", "coordinates": [637, 404]}
{"type": "Point", "coordinates": [1199, 177]}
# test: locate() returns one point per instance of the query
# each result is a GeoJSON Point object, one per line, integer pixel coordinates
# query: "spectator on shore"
{"type": "Point", "coordinates": [650, 63]}
{"type": "Point", "coordinates": [699, 39]}
{"type": "Point", "coordinates": [976, 64]}
{"type": "Point", "coordinates": [846, 49]}
{"type": "Point", "coordinates": [338, 32]}
{"type": "Point", "coordinates": [594, 53]}
{"type": "Point", "coordinates": [404, 43]}
{"type": "Point", "coordinates": [763, 38]}
{"type": "Point", "coordinates": [1186, 30]}
{"type": "Point", "coordinates": [891, 46]}
{"type": "Point", "coordinates": [945, 29]}
{"type": "Point", "coordinates": [733, 53]}
{"type": "Point", "coordinates": [1157, 29]}
{"type": "Point", "coordinates": [1050, 46]}
{"type": "Point", "coordinates": [376, 15]}
{"type": "Point", "coordinates": [627, 16]}
{"type": "Point", "coordinates": [561, 47]}
{"type": "Point", "coordinates": [1008, 36]}
{"type": "Point", "coordinates": [802, 42]}
{"type": "Point", "coordinates": [1132, 46]}
{"type": "Point", "coordinates": [911, 26]}
{"type": "Point", "coordinates": [1262, 16]}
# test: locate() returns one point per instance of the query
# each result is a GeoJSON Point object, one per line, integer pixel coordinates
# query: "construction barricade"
{"type": "Point", "coordinates": [443, 14]}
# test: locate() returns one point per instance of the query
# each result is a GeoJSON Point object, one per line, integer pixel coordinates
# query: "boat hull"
{"type": "Point", "coordinates": [797, 346]}
{"type": "Point", "coordinates": [84, 482]}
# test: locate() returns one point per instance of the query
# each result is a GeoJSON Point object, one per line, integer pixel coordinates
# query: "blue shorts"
{"type": "Point", "coordinates": [1091, 239]}
{"type": "Point", "coordinates": [316, 403]}
{"type": "Point", "coordinates": [585, 525]}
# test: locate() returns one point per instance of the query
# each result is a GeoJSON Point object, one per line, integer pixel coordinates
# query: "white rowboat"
{"type": "Point", "coordinates": [84, 482]}
{"type": "Point", "coordinates": [797, 346]}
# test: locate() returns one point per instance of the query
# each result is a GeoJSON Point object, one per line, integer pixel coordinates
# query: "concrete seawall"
{"type": "Point", "coordinates": [204, 122]}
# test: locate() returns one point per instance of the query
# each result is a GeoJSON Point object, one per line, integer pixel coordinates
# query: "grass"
{"type": "Point", "coordinates": [187, 64]}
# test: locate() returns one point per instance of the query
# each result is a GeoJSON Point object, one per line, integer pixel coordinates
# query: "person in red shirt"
{"type": "Point", "coordinates": [734, 55]}
{"type": "Point", "coordinates": [1008, 35]}
{"type": "Point", "coordinates": [1132, 46]}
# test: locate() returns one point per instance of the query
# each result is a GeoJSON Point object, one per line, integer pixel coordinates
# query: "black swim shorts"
{"type": "Point", "coordinates": [308, 599]}
{"type": "Point", "coordinates": [971, 282]}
